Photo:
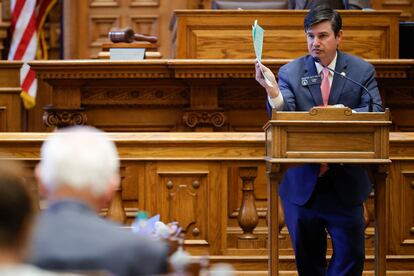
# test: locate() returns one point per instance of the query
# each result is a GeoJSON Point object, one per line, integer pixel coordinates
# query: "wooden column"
{"type": "Point", "coordinates": [248, 217]}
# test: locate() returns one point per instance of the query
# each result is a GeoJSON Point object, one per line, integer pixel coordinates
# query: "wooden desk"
{"type": "Point", "coordinates": [180, 95]}
{"type": "Point", "coordinates": [217, 161]}
{"type": "Point", "coordinates": [342, 137]}
{"type": "Point", "coordinates": [228, 34]}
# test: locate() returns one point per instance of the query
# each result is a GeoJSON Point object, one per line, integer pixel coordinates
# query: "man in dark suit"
{"type": "Point", "coordinates": [79, 170]}
{"type": "Point", "coordinates": [334, 4]}
{"type": "Point", "coordinates": [324, 198]}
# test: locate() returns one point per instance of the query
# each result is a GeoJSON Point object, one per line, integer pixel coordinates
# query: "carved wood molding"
{"type": "Point", "coordinates": [3, 121]}
{"type": "Point", "coordinates": [135, 96]}
{"type": "Point", "coordinates": [58, 117]}
{"type": "Point", "coordinates": [248, 217]}
{"type": "Point", "coordinates": [219, 75]}
{"type": "Point", "coordinates": [105, 3]}
{"type": "Point", "coordinates": [214, 118]}
{"type": "Point", "coordinates": [188, 187]}
{"type": "Point", "coordinates": [391, 74]}
{"type": "Point", "coordinates": [102, 75]}
{"type": "Point", "coordinates": [187, 68]}
{"type": "Point", "coordinates": [144, 3]}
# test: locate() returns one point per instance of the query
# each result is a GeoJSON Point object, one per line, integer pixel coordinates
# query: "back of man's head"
{"type": "Point", "coordinates": [82, 158]}
{"type": "Point", "coordinates": [16, 208]}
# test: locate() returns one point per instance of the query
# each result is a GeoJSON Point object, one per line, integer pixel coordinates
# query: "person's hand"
{"type": "Point", "coordinates": [270, 84]}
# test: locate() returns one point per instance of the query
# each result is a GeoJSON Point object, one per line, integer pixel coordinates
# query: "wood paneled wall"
{"type": "Point", "coordinates": [86, 23]}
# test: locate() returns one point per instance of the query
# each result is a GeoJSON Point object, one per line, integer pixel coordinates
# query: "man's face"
{"type": "Point", "coordinates": [322, 41]}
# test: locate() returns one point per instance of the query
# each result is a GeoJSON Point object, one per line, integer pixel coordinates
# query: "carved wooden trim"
{"type": "Point", "coordinates": [204, 117]}
{"type": "Point", "coordinates": [144, 3]}
{"type": "Point", "coordinates": [116, 210]}
{"type": "Point", "coordinates": [248, 217]}
{"type": "Point", "coordinates": [3, 121]}
{"type": "Point", "coordinates": [189, 187]}
{"type": "Point", "coordinates": [135, 96]}
{"type": "Point", "coordinates": [101, 75]}
{"type": "Point", "coordinates": [394, 74]}
{"type": "Point", "coordinates": [146, 24]}
{"type": "Point", "coordinates": [187, 68]}
{"type": "Point", "coordinates": [211, 75]}
{"type": "Point", "coordinates": [53, 117]}
{"type": "Point", "coordinates": [101, 24]}
{"type": "Point", "coordinates": [104, 3]}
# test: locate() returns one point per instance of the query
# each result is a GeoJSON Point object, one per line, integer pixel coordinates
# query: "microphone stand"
{"type": "Point", "coordinates": [371, 100]}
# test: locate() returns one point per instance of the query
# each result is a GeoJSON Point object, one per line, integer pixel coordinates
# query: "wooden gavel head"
{"type": "Point", "coordinates": [121, 35]}
{"type": "Point", "coordinates": [128, 35]}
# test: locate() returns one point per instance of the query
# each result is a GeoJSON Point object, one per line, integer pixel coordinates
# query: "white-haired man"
{"type": "Point", "coordinates": [79, 170]}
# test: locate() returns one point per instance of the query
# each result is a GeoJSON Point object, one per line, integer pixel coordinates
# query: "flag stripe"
{"type": "Point", "coordinates": [28, 17]}
{"type": "Point", "coordinates": [15, 8]}
{"type": "Point", "coordinates": [21, 25]}
{"type": "Point", "coordinates": [28, 80]}
{"type": "Point", "coordinates": [30, 53]}
{"type": "Point", "coordinates": [28, 35]}
{"type": "Point", "coordinates": [23, 71]}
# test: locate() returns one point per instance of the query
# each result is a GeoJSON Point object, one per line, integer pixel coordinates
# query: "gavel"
{"type": "Point", "coordinates": [128, 35]}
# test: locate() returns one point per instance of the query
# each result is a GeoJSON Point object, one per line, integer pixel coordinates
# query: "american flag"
{"type": "Point", "coordinates": [28, 17]}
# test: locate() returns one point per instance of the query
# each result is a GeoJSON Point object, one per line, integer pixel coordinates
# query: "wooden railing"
{"type": "Point", "coordinates": [214, 185]}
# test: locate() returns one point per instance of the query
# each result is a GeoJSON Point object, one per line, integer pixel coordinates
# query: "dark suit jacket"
{"type": "Point", "coordinates": [70, 236]}
{"type": "Point", "coordinates": [335, 4]}
{"type": "Point", "coordinates": [351, 182]}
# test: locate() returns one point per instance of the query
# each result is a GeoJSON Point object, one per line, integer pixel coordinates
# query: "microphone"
{"type": "Point", "coordinates": [366, 91]}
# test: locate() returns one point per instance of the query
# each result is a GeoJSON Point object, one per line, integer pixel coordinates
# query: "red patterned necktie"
{"type": "Point", "coordinates": [323, 169]}
{"type": "Point", "coordinates": [325, 86]}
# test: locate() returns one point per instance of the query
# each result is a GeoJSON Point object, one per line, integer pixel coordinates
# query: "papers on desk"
{"type": "Point", "coordinates": [258, 34]}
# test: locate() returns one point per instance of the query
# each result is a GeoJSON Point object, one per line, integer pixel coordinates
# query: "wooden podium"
{"type": "Point", "coordinates": [328, 135]}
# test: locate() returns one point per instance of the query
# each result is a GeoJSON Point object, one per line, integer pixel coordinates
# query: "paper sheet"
{"type": "Point", "coordinates": [258, 34]}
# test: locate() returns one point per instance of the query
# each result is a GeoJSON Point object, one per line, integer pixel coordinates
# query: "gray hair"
{"type": "Point", "coordinates": [79, 157]}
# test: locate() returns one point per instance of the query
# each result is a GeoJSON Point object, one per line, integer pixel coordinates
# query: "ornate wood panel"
{"type": "Point", "coordinates": [87, 23]}
{"type": "Point", "coordinates": [180, 95]}
{"type": "Point", "coordinates": [10, 101]}
{"type": "Point", "coordinates": [227, 34]}
{"type": "Point", "coordinates": [401, 194]}
{"type": "Point", "coordinates": [406, 6]}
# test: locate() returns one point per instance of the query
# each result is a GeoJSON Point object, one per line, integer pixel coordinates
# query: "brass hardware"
{"type": "Point", "coordinates": [196, 231]}
{"type": "Point", "coordinates": [196, 184]}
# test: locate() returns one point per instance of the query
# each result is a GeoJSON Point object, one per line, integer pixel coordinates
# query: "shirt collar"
{"type": "Point", "coordinates": [331, 65]}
